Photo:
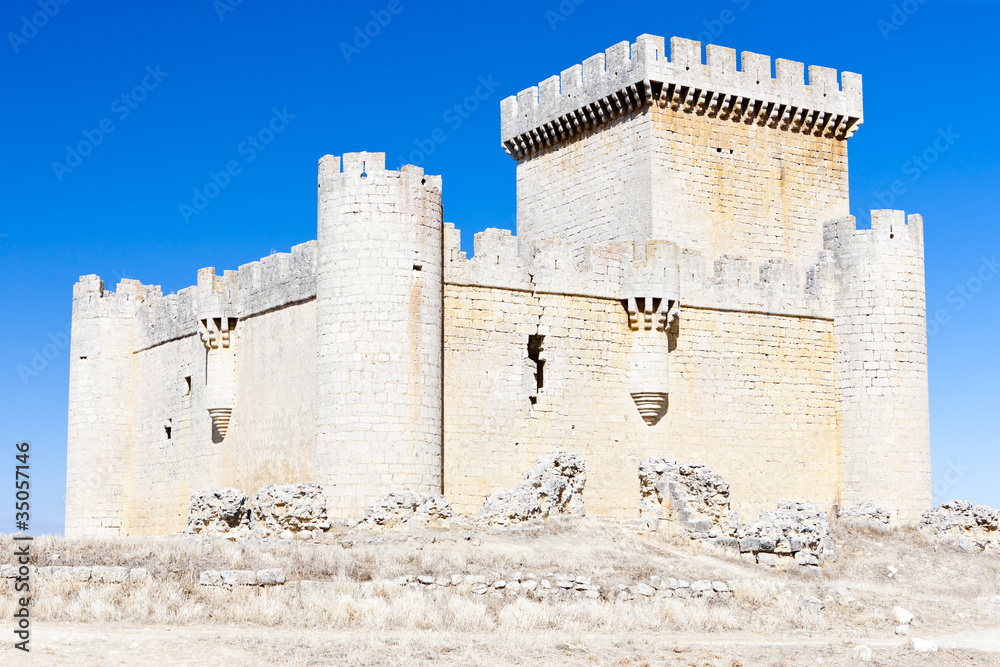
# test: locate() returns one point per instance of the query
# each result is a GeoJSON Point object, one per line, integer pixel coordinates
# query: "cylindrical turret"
{"type": "Point", "coordinates": [881, 336]}
{"type": "Point", "coordinates": [379, 331]}
{"type": "Point", "coordinates": [100, 406]}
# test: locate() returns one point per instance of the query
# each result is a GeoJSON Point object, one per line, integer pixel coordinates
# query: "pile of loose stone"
{"type": "Point", "coordinates": [797, 530]}
{"type": "Point", "coordinates": [554, 486]}
{"type": "Point", "coordinates": [971, 526]}
{"type": "Point", "coordinates": [690, 493]}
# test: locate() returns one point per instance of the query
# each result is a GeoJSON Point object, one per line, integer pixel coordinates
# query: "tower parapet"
{"type": "Point", "coordinates": [627, 77]}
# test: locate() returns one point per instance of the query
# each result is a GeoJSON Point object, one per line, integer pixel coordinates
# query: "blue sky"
{"type": "Point", "coordinates": [169, 93]}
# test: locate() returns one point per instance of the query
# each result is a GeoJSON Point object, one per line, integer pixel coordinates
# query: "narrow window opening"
{"type": "Point", "coordinates": [535, 347]}
{"type": "Point", "coordinates": [364, 172]}
{"type": "Point", "coordinates": [83, 357]}
{"type": "Point", "coordinates": [167, 428]}
{"type": "Point", "coordinates": [187, 382]}
{"type": "Point", "coordinates": [418, 267]}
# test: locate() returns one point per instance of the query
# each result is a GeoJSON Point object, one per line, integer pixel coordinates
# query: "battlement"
{"type": "Point", "coordinates": [275, 281]}
{"type": "Point", "coordinates": [620, 270]}
{"type": "Point", "coordinates": [888, 226]}
{"type": "Point", "coordinates": [365, 165]}
{"type": "Point", "coordinates": [628, 77]}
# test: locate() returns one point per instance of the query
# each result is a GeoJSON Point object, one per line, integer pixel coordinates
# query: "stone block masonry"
{"type": "Point", "coordinates": [684, 283]}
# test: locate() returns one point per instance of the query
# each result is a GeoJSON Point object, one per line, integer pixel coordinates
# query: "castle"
{"type": "Point", "coordinates": [685, 282]}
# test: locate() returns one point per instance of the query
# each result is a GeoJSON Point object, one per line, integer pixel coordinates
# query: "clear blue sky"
{"type": "Point", "coordinates": [216, 73]}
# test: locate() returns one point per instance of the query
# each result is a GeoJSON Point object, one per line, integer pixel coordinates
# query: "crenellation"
{"type": "Point", "coordinates": [625, 78]}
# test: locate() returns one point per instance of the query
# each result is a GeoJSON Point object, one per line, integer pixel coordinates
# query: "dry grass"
{"type": "Point", "coordinates": [948, 590]}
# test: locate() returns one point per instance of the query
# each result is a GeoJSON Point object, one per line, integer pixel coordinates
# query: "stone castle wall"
{"type": "Point", "coordinates": [683, 285]}
{"type": "Point", "coordinates": [137, 448]}
{"type": "Point", "coordinates": [753, 388]}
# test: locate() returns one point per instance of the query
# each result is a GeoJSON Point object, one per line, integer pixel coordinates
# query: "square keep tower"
{"type": "Point", "coordinates": [632, 145]}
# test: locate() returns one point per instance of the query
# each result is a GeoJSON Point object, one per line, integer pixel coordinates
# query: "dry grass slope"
{"type": "Point", "coordinates": [364, 618]}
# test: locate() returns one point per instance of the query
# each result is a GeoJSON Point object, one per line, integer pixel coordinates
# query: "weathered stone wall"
{"type": "Point", "coordinates": [273, 418]}
{"type": "Point", "coordinates": [595, 189]}
{"type": "Point", "coordinates": [726, 187]}
{"type": "Point", "coordinates": [753, 394]}
{"type": "Point", "coordinates": [164, 467]}
{"type": "Point", "coordinates": [142, 381]}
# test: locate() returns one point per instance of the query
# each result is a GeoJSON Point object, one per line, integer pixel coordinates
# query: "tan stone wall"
{"type": "Point", "coordinates": [881, 336]}
{"type": "Point", "coordinates": [717, 186]}
{"type": "Point", "coordinates": [752, 395]}
{"type": "Point", "coordinates": [100, 408]}
{"type": "Point", "coordinates": [726, 187]}
{"type": "Point", "coordinates": [378, 324]}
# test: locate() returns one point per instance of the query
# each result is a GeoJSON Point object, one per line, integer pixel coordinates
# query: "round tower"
{"type": "Point", "coordinates": [379, 325]}
{"type": "Point", "coordinates": [881, 336]}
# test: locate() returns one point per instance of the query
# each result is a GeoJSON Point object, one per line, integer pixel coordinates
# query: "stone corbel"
{"type": "Point", "coordinates": [649, 319]}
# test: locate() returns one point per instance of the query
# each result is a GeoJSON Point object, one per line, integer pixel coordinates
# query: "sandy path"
{"type": "Point", "coordinates": [62, 644]}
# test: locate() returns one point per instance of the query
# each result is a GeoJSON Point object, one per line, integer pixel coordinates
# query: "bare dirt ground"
{"type": "Point", "coordinates": [66, 644]}
{"type": "Point", "coordinates": [777, 616]}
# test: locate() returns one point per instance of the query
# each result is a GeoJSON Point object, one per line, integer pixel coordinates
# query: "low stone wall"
{"type": "Point", "coordinates": [98, 574]}
{"type": "Point", "coordinates": [562, 586]}
{"type": "Point", "coordinates": [231, 578]}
